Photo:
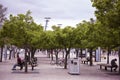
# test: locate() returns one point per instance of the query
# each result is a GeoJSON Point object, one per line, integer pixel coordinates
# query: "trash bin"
{"type": "Point", "coordinates": [74, 66]}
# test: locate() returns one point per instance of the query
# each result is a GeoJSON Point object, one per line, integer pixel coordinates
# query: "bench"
{"type": "Point", "coordinates": [84, 61]}
{"type": "Point", "coordinates": [32, 63]}
{"type": "Point", "coordinates": [105, 66]}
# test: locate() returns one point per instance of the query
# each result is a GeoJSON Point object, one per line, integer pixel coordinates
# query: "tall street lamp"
{"type": "Point", "coordinates": [46, 20]}
{"type": "Point", "coordinates": [59, 25]}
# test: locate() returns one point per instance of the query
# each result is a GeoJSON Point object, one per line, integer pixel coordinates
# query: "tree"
{"type": "Point", "coordinates": [80, 36]}
{"type": "Point", "coordinates": [2, 14]}
{"type": "Point", "coordinates": [90, 38]}
{"type": "Point", "coordinates": [2, 41]}
{"type": "Point", "coordinates": [2, 18]}
{"type": "Point", "coordinates": [108, 13]}
{"type": "Point", "coordinates": [22, 32]}
{"type": "Point", "coordinates": [66, 39]}
{"type": "Point", "coordinates": [57, 46]}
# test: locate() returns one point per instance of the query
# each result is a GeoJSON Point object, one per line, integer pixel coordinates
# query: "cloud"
{"type": "Point", "coordinates": [56, 9]}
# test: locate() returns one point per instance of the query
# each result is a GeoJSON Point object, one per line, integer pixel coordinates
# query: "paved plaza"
{"type": "Point", "coordinates": [46, 71]}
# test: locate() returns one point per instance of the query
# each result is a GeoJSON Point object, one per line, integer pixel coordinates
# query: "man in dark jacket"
{"type": "Point", "coordinates": [113, 63]}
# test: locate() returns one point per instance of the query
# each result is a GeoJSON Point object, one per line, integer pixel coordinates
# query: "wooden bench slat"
{"type": "Point", "coordinates": [105, 66]}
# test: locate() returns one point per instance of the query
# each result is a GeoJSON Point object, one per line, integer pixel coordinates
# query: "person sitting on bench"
{"type": "Point", "coordinates": [113, 64]}
{"type": "Point", "coordinates": [19, 63]}
{"type": "Point", "coordinates": [88, 58]}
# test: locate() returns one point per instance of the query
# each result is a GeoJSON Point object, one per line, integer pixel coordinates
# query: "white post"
{"type": "Point", "coordinates": [98, 54]}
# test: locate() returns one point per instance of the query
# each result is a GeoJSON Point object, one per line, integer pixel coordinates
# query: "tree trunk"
{"type": "Point", "coordinates": [66, 57]}
{"type": "Point", "coordinates": [91, 61]}
{"type": "Point", "coordinates": [1, 56]}
{"type": "Point", "coordinates": [5, 52]}
{"type": "Point", "coordinates": [109, 51]}
{"type": "Point", "coordinates": [77, 52]}
{"type": "Point", "coordinates": [81, 53]}
{"type": "Point", "coordinates": [10, 55]}
{"type": "Point", "coordinates": [65, 66]}
{"type": "Point", "coordinates": [119, 60]}
{"type": "Point", "coordinates": [33, 52]}
{"type": "Point", "coordinates": [95, 56]}
{"type": "Point", "coordinates": [56, 55]}
{"type": "Point", "coordinates": [51, 52]}
{"type": "Point", "coordinates": [26, 66]}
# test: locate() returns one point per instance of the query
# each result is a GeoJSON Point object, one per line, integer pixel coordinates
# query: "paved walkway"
{"type": "Point", "coordinates": [46, 71]}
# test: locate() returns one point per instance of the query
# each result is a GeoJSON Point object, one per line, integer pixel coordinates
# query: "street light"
{"type": "Point", "coordinates": [59, 25]}
{"type": "Point", "coordinates": [46, 20]}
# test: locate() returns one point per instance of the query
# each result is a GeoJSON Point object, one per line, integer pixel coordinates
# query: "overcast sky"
{"type": "Point", "coordinates": [65, 12]}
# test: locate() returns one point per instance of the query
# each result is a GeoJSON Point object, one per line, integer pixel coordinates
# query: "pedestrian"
{"type": "Point", "coordinates": [113, 64]}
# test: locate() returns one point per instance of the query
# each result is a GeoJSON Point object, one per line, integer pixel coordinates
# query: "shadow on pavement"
{"type": "Point", "coordinates": [36, 71]}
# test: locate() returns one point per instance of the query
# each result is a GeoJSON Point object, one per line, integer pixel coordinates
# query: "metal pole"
{"type": "Point", "coordinates": [59, 25]}
{"type": "Point", "coordinates": [46, 20]}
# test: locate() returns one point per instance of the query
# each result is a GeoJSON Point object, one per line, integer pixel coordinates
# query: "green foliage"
{"type": "Point", "coordinates": [1, 38]}
{"type": "Point", "coordinates": [21, 30]}
{"type": "Point", "coordinates": [2, 14]}
{"type": "Point", "coordinates": [47, 39]}
{"type": "Point", "coordinates": [108, 13]}
{"type": "Point", "coordinates": [80, 33]}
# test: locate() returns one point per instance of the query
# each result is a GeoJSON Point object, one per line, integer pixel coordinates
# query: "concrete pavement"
{"type": "Point", "coordinates": [46, 71]}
